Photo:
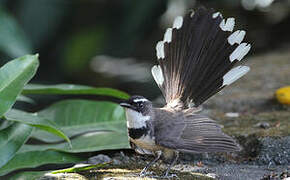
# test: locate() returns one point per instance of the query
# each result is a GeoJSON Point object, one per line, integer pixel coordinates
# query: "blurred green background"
{"type": "Point", "coordinates": [111, 43]}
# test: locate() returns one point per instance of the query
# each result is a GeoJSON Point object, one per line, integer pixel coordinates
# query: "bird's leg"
{"type": "Point", "coordinates": [171, 164]}
{"type": "Point", "coordinates": [143, 172]}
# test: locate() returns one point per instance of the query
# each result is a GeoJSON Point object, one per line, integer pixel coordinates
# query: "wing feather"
{"type": "Point", "coordinates": [192, 133]}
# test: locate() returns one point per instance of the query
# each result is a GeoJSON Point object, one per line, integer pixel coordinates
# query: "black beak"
{"type": "Point", "coordinates": [125, 104]}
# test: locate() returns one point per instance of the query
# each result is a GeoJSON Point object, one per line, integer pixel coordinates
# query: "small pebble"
{"type": "Point", "coordinates": [99, 159]}
{"type": "Point", "coordinates": [117, 162]}
{"type": "Point", "coordinates": [232, 114]}
{"type": "Point", "coordinates": [211, 175]}
{"type": "Point", "coordinates": [263, 125]}
{"type": "Point", "coordinates": [109, 178]}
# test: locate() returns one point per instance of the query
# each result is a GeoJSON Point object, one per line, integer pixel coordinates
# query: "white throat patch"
{"type": "Point", "coordinates": [135, 119]}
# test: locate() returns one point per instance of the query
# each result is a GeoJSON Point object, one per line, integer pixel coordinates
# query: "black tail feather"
{"type": "Point", "coordinates": [197, 55]}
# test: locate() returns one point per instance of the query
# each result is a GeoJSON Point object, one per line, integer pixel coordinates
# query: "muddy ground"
{"type": "Point", "coordinates": [249, 112]}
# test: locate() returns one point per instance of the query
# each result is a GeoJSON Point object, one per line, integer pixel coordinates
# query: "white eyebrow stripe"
{"type": "Point", "coordinates": [140, 100]}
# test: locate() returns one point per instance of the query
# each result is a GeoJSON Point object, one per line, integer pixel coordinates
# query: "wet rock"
{"type": "Point", "coordinates": [121, 158]}
{"type": "Point", "coordinates": [99, 159]}
{"type": "Point", "coordinates": [117, 162]}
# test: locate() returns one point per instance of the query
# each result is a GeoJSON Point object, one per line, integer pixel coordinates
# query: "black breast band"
{"type": "Point", "coordinates": [136, 133]}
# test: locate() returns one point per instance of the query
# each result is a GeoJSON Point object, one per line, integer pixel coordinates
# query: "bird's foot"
{"type": "Point", "coordinates": [145, 173]}
{"type": "Point", "coordinates": [169, 176]}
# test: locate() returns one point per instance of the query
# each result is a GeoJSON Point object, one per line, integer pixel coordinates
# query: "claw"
{"type": "Point", "coordinates": [145, 173]}
{"type": "Point", "coordinates": [170, 176]}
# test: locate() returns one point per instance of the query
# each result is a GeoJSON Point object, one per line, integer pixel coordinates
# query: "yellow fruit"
{"type": "Point", "coordinates": [283, 95]}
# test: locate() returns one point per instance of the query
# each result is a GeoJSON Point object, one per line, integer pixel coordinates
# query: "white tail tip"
{"type": "Point", "coordinates": [157, 75]}
{"type": "Point", "coordinates": [178, 22]}
{"type": "Point", "coordinates": [235, 74]}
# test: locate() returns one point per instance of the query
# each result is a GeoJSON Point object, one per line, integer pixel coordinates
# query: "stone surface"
{"type": "Point", "coordinates": [99, 159]}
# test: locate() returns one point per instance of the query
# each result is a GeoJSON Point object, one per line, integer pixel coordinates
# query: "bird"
{"type": "Point", "coordinates": [199, 55]}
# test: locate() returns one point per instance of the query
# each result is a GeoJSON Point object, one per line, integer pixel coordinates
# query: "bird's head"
{"type": "Point", "coordinates": [138, 104]}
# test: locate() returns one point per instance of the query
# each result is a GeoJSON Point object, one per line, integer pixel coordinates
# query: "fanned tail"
{"type": "Point", "coordinates": [197, 57]}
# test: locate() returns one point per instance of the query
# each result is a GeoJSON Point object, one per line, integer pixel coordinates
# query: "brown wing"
{"type": "Point", "coordinates": [191, 133]}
